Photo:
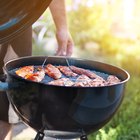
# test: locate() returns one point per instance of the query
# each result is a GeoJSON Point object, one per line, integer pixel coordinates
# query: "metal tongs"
{"type": "Point", "coordinates": [68, 64]}
{"type": "Point", "coordinates": [44, 63]}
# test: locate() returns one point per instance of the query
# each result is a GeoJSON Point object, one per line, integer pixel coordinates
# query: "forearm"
{"type": "Point", "coordinates": [65, 42]}
{"type": "Point", "coordinates": [58, 11]}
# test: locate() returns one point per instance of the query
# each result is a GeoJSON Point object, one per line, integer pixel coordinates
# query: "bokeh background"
{"type": "Point", "coordinates": [106, 31]}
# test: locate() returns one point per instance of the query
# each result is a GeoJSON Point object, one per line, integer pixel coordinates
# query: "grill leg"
{"type": "Point", "coordinates": [39, 136]}
{"type": "Point", "coordinates": [83, 137]}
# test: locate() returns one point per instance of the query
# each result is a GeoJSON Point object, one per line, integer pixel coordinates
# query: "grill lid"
{"type": "Point", "coordinates": [17, 15]}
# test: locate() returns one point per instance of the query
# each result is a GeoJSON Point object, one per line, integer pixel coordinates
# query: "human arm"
{"type": "Point", "coordinates": [64, 39]}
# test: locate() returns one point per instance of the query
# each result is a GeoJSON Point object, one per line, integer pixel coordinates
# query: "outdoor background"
{"type": "Point", "coordinates": [106, 31]}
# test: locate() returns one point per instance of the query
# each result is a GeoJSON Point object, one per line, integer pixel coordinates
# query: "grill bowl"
{"type": "Point", "coordinates": [63, 108]}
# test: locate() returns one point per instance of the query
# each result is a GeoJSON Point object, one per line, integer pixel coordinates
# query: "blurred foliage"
{"type": "Point", "coordinates": [86, 24]}
{"type": "Point", "coordinates": [43, 33]}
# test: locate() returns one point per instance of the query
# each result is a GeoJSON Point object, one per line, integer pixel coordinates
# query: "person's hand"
{"type": "Point", "coordinates": [65, 43]}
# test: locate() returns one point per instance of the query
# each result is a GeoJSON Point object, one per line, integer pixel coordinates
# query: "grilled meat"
{"type": "Point", "coordinates": [62, 82]}
{"type": "Point", "coordinates": [53, 71]}
{"type": "Point", "coordinates": [112, 79]}
{"type": "Point", "coordinates": [82, 81]}
{"type": "Point", "coordinates": [37, 76]}
{"type": "Point", "coordinates": [97, 82]}
{"type": "Point", "coordinates": [83, 71]}
{"type": "Point", "coordinates": [85, 81]}
{"type": "Point", "coordinates": [67, 71]}
{"type": "Point", "coordinates": [79, 77]}
{"type": "Point", "coordinates": [23, 71]}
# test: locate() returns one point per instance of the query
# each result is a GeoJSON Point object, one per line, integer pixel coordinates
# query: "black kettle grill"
{"type": "Point", "coordinates": [60, 111]}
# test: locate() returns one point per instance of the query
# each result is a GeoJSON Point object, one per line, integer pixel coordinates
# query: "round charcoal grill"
{"type": "Point", "coordinates": [63, 112]}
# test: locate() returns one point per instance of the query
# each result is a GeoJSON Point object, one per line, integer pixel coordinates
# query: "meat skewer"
{"type": "Point", "coordinates": [67, 71]}
{"type": "Point", "coordinates": [53, 71]}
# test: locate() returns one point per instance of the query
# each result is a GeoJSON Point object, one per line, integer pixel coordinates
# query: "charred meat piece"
{"type": "Point", "coordinates": [62, 82]}
{"type": "Point", "coordinates": [37, 76]}
{"type": "Point", "coordinates": [23, 71]}
{"type": "Point", "coordinates": [85, 81]}
{"type": "Point", "coordinates": [67, 71]}
{"type": "Point", "coordinates": [112, 79]}
{"type": "Point", "coordinates": [81, 71]}
{"type": "Point", "coordinates": [82, 81]}
{"type": "Point", "coordinates": [53, 71]}
{"type": "Point", "coordinates": [97, 82]}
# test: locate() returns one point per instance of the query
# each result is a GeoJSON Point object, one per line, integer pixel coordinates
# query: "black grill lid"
{"type": "Point", "coordinates": [17, 15]}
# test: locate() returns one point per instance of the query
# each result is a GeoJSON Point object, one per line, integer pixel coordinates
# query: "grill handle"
{"type": "Point", "coordinates": [5, 85]}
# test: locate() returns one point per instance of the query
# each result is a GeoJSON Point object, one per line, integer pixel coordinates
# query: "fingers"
{"type": "Point", "coordinates": [66, 49]}
{"type": "Point", "coordinates": [65, 45]}
{"type": "Point", "coordinates": [61, 53]}
{"type": "Point", "coordinates": [70, 47]}
{"type": "Point", "coordinates": [62, 49]}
